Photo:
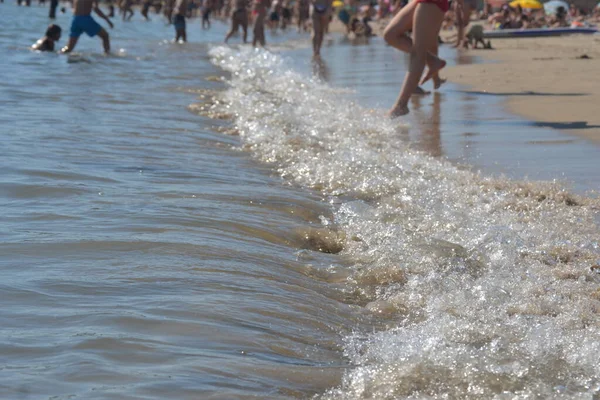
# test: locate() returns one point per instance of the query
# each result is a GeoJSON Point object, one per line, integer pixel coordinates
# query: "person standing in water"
{"type": "Point", "coordinates": [126, 8]}
{"type": "Point", "coordinates": [425, 18]}
{"type": "Point", "coordinates": [53, 6]}
{"type": "Point", "coordinates": [83, 22]}
{"type": "Point", "coordinates": [320, 19]}
{"type": "Point", "coordinates": [179, 10]}
{"type": "Point", "coordinates": [302, 14]}
{"type": "Point", "coordinates": [145, 9]}
{"type": "Point", "coordinates": [239, 17]}
{"type": "Point", "coordinates": [260, 12]}
{"type": "Point", "coordinates": [207, 7]}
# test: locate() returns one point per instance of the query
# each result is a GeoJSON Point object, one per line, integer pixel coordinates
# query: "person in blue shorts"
{"type": "Point", "coordinates": [83, 22]}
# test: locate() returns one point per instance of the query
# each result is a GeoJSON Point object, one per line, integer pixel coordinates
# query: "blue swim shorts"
{"type": "Point", "coordinates": [84, 23]}
{"type": "Point", "coordinates": [179, 22]}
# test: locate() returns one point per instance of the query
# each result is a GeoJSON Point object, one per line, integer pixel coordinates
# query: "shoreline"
{"type": "Point", "coordinates": [544, 80]}
{"type": "Point", "coordinates": [549, 81]}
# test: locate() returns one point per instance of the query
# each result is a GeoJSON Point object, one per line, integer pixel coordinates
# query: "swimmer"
{"type": "Point", "coordinates": [179, 10]}
{"type": "Point", "coordinates": [47, 42]}
{"type": "Point", "coordinates": [83, 22]}
{"type": "Point", "coordinates": [239, 17]}
{"type": "Point", "coordinates": [425, 18]}
{"type": "Point", "coordinates": [320, 19]}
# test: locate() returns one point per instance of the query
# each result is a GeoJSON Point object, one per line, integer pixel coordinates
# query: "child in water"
{"type": "Point", "coordinates": [47, 42]}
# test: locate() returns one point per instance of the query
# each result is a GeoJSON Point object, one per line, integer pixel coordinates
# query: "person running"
{"type": "Point", "coordinates": [320, 20]}
{"type": "Point", "coordinates": [424, 18]}
{"type": "Point", "coordinates": [83, 22]}
{"type": "Point", "coordinates": [260, 13]}
{"type": "Point", "coordinates": [239, 17]}
{"type": "Point", "coordinates": [179, 10]}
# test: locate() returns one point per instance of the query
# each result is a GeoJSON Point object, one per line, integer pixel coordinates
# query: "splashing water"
{"type": "Point", "coordinates": [485, 287]}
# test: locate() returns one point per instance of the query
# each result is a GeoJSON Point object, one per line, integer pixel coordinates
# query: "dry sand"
{"type": "Point", "coordinates": [543, 79]}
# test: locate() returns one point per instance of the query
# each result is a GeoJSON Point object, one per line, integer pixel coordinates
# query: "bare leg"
{"type": "Point", "coordinates": [463, 19]}
{"type": "Point", "coordinates": [71, 45]}
{"type": "Point", "coordinates": [105, 40]}
{"type": "Point", "coordinates": [460, 24]}
{"type": "Point", "coordinates": [437, 81]}
{"type": "Point", "coordinates": [318, 33]}
{"type": "Point", "coordinates": [234, 28]}
{"type": "Point", "coordinates": [261, 39]}
{"type": "Point", "coordinates": [245, 31]}
{"type": "Point", "coordinates": [426, 25]}
{"type": "Point", "coordinates": [395, 32]}
{"type": "Point", "coordinates": [259, 29]}
{"type": "Point", "coordinates": [395, 35]}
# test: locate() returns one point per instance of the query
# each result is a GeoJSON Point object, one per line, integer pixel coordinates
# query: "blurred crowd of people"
{"type": "Point", "coordinates": [560, 17]}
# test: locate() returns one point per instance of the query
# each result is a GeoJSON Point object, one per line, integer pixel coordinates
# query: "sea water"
{"type": "Point", "coordinates": [201, 221]}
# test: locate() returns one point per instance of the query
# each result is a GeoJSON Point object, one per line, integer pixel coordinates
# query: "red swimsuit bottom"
{"type": "Point", "coordinates": [444, 5]}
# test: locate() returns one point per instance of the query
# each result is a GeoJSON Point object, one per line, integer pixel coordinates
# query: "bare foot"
{"type": "Point", "coordinates": [398, 111]}
{"type": "Point", "coordinates": [437, 81]}
{"type": "Point", "coordinates": [419, 91]}
{"type": "Point", "coordinates": [434, 69]}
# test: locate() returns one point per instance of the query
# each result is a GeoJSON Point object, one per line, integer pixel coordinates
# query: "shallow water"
{"type": "Point", "coordinates": [151, 249]}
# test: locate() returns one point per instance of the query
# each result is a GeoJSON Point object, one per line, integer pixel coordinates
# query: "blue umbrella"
{"type": "Point", "coordinates": [551, 6]}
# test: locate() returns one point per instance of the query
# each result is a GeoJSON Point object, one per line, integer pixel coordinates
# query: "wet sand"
{"type": "Point", "coordinates": [550, 81]}
{"type": "Point", "coordinates": [543, 79]}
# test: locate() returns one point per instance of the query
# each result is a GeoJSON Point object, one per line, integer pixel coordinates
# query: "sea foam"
{"type": "Point", "coordinates": [484, 287]}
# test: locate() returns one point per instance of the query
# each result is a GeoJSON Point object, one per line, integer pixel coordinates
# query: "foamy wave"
{"type": "Point", "coordinates": [488, 288]}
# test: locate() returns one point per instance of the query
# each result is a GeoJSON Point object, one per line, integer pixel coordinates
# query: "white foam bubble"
{"type": "Point", "coordinates": [496, 297]}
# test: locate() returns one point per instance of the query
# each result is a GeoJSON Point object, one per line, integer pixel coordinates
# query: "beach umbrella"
{"type": "Point", "coordinates": [551, 6]}
{"type": "Point", "coordinates": [532, 4]}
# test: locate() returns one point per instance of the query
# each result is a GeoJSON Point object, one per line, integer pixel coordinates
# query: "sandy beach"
{"type": "Point", "coordinates": [548, 80]}
{"type": "Point", "coordinates": [207, 221]}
